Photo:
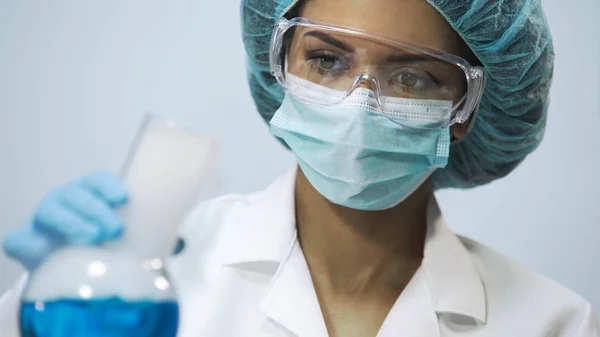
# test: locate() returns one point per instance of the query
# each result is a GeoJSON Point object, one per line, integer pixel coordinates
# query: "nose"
{"type": "Point", "coordinates": [370, 82]}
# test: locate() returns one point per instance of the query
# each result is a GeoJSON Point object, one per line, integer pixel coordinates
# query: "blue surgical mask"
{"type": "Point", "coordinates": [357, 154]}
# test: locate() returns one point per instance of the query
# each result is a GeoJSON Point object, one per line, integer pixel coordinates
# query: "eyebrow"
{"type": "Point", "coordinates": [409, 58]}
{"type": "Point", "coordinates": [330, 40]}
{"type": "Point", "coordinates": [405, 58]}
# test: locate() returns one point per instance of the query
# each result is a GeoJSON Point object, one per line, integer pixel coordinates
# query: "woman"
{"type": "Point", "coordinates": [382, 102]}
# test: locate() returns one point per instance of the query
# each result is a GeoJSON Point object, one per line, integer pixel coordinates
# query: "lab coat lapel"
{"type": "Point", "coordinates": [413, 313]}
{"type": "Point", "coordinates": [291, 300]}
{"type": "Point", "coordinates": [452, 279]}
{"type": "Point", "coordinates": [267, 233]}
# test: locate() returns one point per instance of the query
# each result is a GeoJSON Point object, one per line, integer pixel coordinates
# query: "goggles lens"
{"type": "Point", "coordinates": [344, 60]}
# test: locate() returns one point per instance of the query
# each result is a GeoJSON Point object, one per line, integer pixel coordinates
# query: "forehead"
{"type": "Point", "coordinates": [412, 21]}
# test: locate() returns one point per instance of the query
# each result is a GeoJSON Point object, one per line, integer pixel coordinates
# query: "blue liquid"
{"type": "Point", "coordinates": [110, 317]}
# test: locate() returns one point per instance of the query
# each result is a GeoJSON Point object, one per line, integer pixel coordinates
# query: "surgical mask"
{"type": "Point", "coordinates": [356, 153]}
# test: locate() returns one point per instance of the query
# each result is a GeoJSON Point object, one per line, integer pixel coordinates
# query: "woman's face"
{"type": "Point", "coordinates": [411, 21]}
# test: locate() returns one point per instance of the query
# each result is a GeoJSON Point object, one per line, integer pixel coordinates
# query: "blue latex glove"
{"type": "Point", "coordinates": [80, 213]}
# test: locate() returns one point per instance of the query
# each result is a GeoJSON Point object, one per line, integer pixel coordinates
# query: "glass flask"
{"type": "Point", "coordinates": [122, 289]}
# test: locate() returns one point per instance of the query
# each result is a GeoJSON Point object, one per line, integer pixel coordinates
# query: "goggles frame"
{"type": "Point", "coordinates": [475, 76]}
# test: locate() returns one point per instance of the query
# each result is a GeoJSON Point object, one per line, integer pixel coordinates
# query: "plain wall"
{"type": "Point", "coordinates": [76, 77]}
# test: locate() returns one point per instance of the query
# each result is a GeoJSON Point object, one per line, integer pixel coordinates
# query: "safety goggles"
{"type": "Point", "coordinates": [342, 59]}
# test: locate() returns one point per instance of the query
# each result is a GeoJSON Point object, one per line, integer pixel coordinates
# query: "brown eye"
{"type": "Point", "coordinates": [412, 80]}
{"type": "Point", "coordinates": [409, 80]}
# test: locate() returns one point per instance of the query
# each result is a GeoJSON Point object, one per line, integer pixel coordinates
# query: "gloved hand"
{"type": "Point", "coordinates": [81, 213]}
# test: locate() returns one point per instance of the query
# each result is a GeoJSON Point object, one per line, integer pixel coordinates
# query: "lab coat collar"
{"type": "Point", "coordinates": [268, 231]}
{"type": "Point", "coordinates": [450, 274]}
{"type": "Point", "coordinates": [267, 228]}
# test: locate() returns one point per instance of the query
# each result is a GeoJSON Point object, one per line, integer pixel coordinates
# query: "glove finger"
{"type": "Point", "coordinates": [60, 222]}
{"type": "Point", "coordinates": [108, 186]}
{"type": "Point", "coordinates": [90, 207]}
{"type": "Point", "coordinates": [28, 247]}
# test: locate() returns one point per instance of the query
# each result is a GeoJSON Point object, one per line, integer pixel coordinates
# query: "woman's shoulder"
{"type": "Point", "coordinates": [509, 284]}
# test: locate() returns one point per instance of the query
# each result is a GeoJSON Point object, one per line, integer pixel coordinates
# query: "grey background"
{"type": "Point", "coordinates": [76, 77]}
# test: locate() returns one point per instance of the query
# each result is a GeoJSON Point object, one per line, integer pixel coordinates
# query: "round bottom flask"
{"type": "Point", "coordinates": [87, 291]}
{"type": "Point", "coordinates": [120, 290]}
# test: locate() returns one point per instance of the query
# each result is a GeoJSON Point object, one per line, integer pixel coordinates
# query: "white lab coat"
{"type": "Point", "coordinates": [243, 273]}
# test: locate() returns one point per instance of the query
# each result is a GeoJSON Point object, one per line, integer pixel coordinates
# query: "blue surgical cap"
{"type": "Point", "coordinates": [512, 40]}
